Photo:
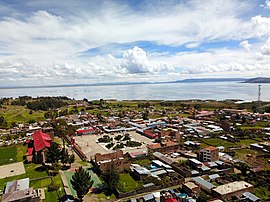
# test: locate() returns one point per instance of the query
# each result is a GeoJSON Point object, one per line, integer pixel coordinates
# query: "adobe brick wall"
{"type": "Point", "coordinates": [114, 155]}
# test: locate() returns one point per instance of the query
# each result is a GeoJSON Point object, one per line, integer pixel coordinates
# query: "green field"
{"type": "Point", "coordinates": [242, 153]}
{"type": "Point", "coordinates": [20, 114]}
{"type": "Point", "coordinates": [262, 192]}
{"type": "Point", "coordinates": [127, 183]}
{"type": "Point", "coordinates": [12, 154]}
{"type": "Point", "coordinates": [220, 142]}
{"type": "Point", "coordinates": [8, 155]}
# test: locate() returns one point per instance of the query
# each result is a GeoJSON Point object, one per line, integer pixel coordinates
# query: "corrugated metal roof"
{"type": "Point", "coordinates": [202, 182]}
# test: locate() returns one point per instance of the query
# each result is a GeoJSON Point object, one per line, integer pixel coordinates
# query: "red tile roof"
{"type": "Point", "coordinates": [171, 200]}
{"type": "Point", "coordinates": [154, 146]}
{"type": "Point", "coordinates": [41, 140]}
{"type": "Point", "coordinates": [30, 151]}
{"type": "Point", "coordinates": [211, 148]}
{"type": "Point", "coordinates": [168, 144]}
{"type": "Point", "coordinates": [85, 130]}
{"type": "Point", "coordinates": [149, 134]}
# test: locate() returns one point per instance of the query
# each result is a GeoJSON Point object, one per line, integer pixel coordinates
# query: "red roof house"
{"type": "Point", "coordinates": [41, 140]}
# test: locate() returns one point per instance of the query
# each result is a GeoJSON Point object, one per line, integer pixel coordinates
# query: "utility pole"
{"type": "Point", "coordinates": [259, 98]}
{"type": "Point", "coordinates": [259, 93]}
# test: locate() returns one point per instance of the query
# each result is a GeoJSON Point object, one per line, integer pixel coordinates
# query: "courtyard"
{"type": "Point", "coordinates": [90, 146]}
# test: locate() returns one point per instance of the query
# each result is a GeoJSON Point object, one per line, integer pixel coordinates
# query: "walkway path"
{"type": "Point", "coordinates": [65, 182]}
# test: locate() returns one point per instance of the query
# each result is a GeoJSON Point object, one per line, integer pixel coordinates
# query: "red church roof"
{"type": "Point", "coordinates": [30, 151]}
{"type": "Point", "coordinates": [41, 140]}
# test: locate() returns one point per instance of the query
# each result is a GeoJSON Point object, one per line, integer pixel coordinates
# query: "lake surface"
{"type": "Point", "coordinates": [167, 91]}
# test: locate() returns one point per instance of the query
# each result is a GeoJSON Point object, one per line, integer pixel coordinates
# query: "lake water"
{"type": "Point", "coordinates": [168, 91]}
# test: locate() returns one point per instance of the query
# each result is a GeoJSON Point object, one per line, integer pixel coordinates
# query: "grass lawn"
{"type": "Point", "coordinates": [14, 113]}
{"type": "Point", "coordinates": [242, 153]}
{"type": "Point", "coordinates": [250, 127]}
{"type": "Point", "coordinates": [14, 152]}
{"type": "Point", "coordinates": [52, 196]}
{"type": "Point", "coordinates": [216, 184]}
{"type": "Point", "coordinates": [128, 183]}
{"type": "Point", "coordinates": [220, 142]}
{"type": "Point", "coordinates": [262, 192]}
{"type": "Point", "coordinates": [142, 162]}
{"type": "Point", "coordinates": [8, 155]}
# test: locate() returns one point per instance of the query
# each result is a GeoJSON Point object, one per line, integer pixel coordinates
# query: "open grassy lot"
{"type": "Point", "coordinates": [242, 153]}
{"type": "Point", "coordinates": [19, 114]}
{"type": "Point", "coordinates": [262, 192]}
{"type": "Point", "coordinates": [8, 155]}
{"type": "Point", "coordinates": [220, 142]}
{"type": "Point", "coordinates": [127, 183]}
{"type": "Point", "coordinates": [12, 154]}
{"type": "Point", "coordinates": [142, 162]}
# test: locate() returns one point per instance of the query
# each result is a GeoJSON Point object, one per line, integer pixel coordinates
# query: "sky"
{"type": "Point", "coordinates": [50, 42]}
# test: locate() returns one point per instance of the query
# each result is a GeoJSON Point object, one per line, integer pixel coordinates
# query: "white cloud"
{"type": "Point", "coordinates": [135, 61]}
{"type": "Point", "coordinates": [193, 45]}
{"type": "Point", "coordinates": [261, 25]}
{"type": "Point", "coordinates": [245, 45]}
{"type": "Point", "coordinates": [267, 4]}
{"type": "Point", "coordinates": [265, 50]}
{"type": "Point", "coordinates": [44, 44]}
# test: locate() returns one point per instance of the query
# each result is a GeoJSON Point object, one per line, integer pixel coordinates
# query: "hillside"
{"type": "Point", "coordinates": [258, 80]}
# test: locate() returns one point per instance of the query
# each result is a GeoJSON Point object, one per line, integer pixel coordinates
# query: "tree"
{"type": "Point", "coordinates": [64, 156]}
{"type": "Point", "coordinates": [3, 123]}
{"type": "Point", "coordinates": [145, 115]}
{"type": "Point", "coordinates": [202, 197]}
{"type": "Point", "coordinates": [111, 178]}
{"type": "Point", "coordinates": [243, 167]}
{"type": "Point", "coordinates": [53, 154]}
{"type": "Point", "coordinates": [81, 182]}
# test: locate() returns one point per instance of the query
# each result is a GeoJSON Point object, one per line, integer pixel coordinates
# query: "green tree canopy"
{"type": "Point", "coordinates": [53, 154]}
{"type": "Point", "coordinates": [111, 178]}
{"type": "Point", "coordinates": [81, 182]}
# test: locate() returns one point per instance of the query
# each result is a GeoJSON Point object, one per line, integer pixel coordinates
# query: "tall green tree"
{"type": "Point", "coordinates": [111, 178]}
{"type": "Point", "coordinates": [243, 167]}
{"type": "Point", "coordinates": [54, 153]}
{"type": "Point", "coordinates": [81, 182]}
{"type": "Point", "coordinates": [3, 123]}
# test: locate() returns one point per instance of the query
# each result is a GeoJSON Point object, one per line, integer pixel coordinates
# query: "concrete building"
{"type": "Point", "coordinates": [19, 191]}
{"type": "Point", "coordinates": [208, 154]}
{"type": "Point", "coordinates": [203, 184]}
{"type": "Point", "coordinates": [102, 161]}
{"type": "Point", "coordinates": [191, 189]}
{"type": "Point", "coordinates": [227, 191]}
{"type": "Point", "coordinates": [164, 147]}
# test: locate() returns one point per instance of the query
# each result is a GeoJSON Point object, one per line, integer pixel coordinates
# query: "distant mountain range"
{"type": "Point", "coordinates": [258, 80]}
{"type": "Point", "coordinates": [242, 80]}
{"type": "Point", "coordinates": [210, 80]}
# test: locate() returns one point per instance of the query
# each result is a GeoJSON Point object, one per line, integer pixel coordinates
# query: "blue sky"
{"type": "Point", "coordinates": [75, 41]}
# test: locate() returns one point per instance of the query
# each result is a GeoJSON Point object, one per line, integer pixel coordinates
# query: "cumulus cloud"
{"type": "Point", "coordinates": [261, 25]}
{"type": "Point", "coordinates": [267, 4]}
{"type": "Point", "coordinates": [245, 45]}
{"type": "Point", "coordinates": [265, 50]}
{"type": "Point", "coordinates": [224, 67]}
{"type": "Point", "coordinates": [43, 41]}
{"type": "Point", "coordinates": [135, 61]}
